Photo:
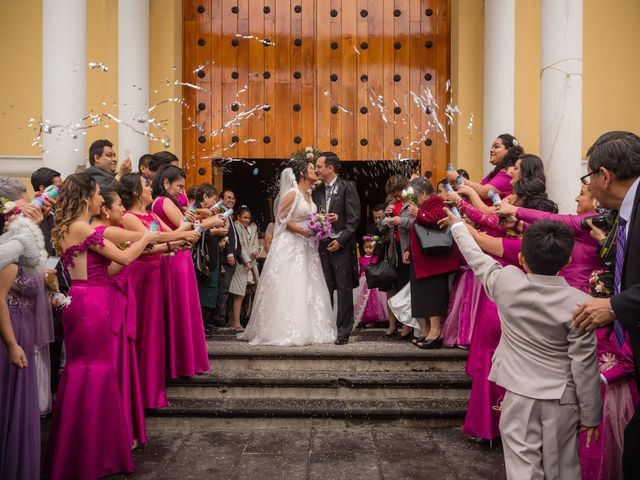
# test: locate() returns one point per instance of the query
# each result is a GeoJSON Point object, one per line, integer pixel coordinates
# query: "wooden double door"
{"type": "Point", "coordinates": [367, 79]}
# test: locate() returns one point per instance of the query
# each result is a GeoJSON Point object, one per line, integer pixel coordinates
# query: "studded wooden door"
{"type": "Point", "coordinates": [367, 79]}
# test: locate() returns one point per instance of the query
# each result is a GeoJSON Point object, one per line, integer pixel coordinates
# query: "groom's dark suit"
{"type": "Point", "coordinates": [341, 267]}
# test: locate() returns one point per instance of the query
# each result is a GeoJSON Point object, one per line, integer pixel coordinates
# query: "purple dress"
{"type": "Point", "coordinates": [19, 411]}
{"type": "Point", "coordinates": [463, 309]}
{"type": "Point", "coordinates": [147, 288]}
{"type": "Point", "coordinates": [88, 437]}
{"type": "Point", "coordinates": [186, 344]}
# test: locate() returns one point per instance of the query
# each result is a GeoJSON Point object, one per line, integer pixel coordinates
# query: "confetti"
{"type": "Point", "coordinates": [100, 65]}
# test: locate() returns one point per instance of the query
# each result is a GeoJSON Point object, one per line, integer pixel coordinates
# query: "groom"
{"type": "Point", "coordinates": [339, 199]}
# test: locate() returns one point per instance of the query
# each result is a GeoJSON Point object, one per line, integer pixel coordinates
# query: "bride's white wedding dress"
{"type": "Point", "coordinates": [292, 305]}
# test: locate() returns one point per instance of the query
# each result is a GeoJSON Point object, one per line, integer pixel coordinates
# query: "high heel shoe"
{"type": "Point", "coordinates": [430, 344]}
{"type": "Point", "coordinates": [404, 338]}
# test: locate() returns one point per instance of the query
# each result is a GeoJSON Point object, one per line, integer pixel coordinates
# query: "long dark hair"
{"type": "Point", "coordinates": [160, 159]}
{"type": "Point", "coordinates": [169, 173]}
{"type": "Point", "coordinates": [533, 182]}
{"type": "Point", "coordinates": [129, 188]}
{"type": "Point", "coordinates": [514, 150]}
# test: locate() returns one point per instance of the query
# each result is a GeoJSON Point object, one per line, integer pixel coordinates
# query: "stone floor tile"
{"type": "Point", "coordinates": [342, 440]}
{"type": "Point", "coordinates": [284, 441]}
{"type": "Point", "coordinates": [347, 465]}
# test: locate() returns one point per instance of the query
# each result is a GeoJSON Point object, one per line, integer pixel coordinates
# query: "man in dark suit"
{"type": "Point", "coordinates": [339, 199]}
{"type": "Point", "coordinates": [230, 256]}
{"type": "Point", "coordinates": [614, 176]}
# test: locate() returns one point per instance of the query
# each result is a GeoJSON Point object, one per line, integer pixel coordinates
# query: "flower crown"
{"type": "Point", "coordinates": [309, 154]}
{"type": "Point", "coordinates": [371, 238]}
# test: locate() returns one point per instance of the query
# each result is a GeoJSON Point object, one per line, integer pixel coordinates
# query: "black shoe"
{"type": "Point", "coordinates": [430, 344]}
{"type": "Point", "coordinates": [404, 338]}
{"type": "Point", "coordinates": [342, 341]}
{"type": "Point", "coordinates": [392, 334]}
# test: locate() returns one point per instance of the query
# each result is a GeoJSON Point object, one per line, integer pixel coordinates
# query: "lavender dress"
{"type": "Point", "coordinates": [32, 324]}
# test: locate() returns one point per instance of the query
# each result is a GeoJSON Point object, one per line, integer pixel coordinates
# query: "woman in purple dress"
{"type": "Point", "coordinates": [26, 325]}
{"type": "Point", "coordinates": [88, 437]}
{"type": "Point", "coordinates": [146, 282]}
{"type": "Point", "coordinates": [186, 344]}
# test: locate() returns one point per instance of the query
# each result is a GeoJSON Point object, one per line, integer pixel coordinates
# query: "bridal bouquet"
{"type": "Point", "coordinates": [320, 227]}
{"type": "Point", "coordinates": [409, 195]}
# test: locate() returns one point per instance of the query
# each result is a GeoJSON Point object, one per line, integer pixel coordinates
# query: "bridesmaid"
{"type": "Point", "coordinates": [503, 154]}
{"type": "Point", "coordinates": [187, 347]}
{"type": "Point", "coordinates": [146, 282]}
{"type": "Point", "coordinates": [123, 318]}
{"type": "Point", "coordinates": [26, 325]}
{"type": "Point", "coordinates": [88, 437]}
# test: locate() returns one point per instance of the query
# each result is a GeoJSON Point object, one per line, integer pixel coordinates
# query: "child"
{"type": "Point", "coordinates": [370, 303]}
{"type": "Point", "coordinates": [248, 272]}
{"type": "Point", "coordinates": [548, 367]}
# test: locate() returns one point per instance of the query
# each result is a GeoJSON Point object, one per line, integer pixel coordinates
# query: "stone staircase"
{"type": "Point", "coordinates": [368, 380]}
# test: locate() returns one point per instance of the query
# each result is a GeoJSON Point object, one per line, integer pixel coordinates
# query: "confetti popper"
{"type": "Point", "coordinates": [51, 192]}
{"type": "Point", "coordinates": [450, 167]}
{"type": "Point", "coordinates": [154, 226]}
{"type": "Point", "coordinates": [228, 213]}
{"type": "Point", "coordinates": [495, 198]}
{"type": "Point", "coordinates": [199, 228]}
{"type": "Point", "coordinates": [192, 208]}
{"type": "Point", "coordinates": [218, 205]}
{"type": "Point", "coordinates": [460, 180]}
{"type": "Point", "coordinates": [453, 209]}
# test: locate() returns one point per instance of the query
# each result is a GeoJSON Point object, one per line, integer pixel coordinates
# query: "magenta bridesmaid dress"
{"type": "Point", "coordinates": [186, 343]}
{"type": "Point", "coordinates": [125, 359]}
{"type": "Point", "coordinates": [88, 437]}
{"type": "Point", "coordinates": [147, 288]}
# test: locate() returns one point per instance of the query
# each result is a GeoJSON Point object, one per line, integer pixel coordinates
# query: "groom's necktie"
{"type": "Point", "coordinates": [329, 194]}
{"type": "Point", "coordinates": [621, 241]}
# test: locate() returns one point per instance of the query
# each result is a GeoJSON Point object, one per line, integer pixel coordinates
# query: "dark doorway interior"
{"type": "Point", "coordinates": [256, 185]}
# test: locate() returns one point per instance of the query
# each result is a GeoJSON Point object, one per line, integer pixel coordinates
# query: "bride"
{"type": "Point", "coordinates": [292, 305]}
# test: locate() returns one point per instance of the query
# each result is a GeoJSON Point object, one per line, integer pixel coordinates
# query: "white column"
{"type": "Point", "coordinates": [133, 77]}
{"type": "Point", "coordinates": [64, 82]}
{"type": "Point", "coordinates": [561, 98]}
{"type": "Point", "coordinates": [499, 71]}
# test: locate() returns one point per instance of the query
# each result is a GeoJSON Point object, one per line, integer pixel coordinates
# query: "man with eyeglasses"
{"type": "Point", "coordinates": [104, 164]}
{"type": "Point", "coordinates": [614, 175]}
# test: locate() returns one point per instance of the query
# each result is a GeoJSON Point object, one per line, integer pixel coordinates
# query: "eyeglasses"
{"type": "Point", "coordinates": [586, 179]}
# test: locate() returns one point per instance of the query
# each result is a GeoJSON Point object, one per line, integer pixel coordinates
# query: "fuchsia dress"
{"type": "Point", "coordinates": [147, 286]}
{"type": "Point", "coordinates": [88, 437]}
{"type": "Point", "coordinates": [125, 359]}
{"type": "Point", "coordinates": [501, 182]}
{"type": "Point", "coordinates": [186, 344]}
{"type": "Point", "coordinates": [375, 302]}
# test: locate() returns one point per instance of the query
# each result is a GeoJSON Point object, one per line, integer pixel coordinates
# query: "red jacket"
{"type": "Point", "coordinates": [430, 265]}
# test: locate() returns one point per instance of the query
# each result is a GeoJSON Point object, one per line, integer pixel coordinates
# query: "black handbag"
{"type": "Point", "coordinates": [434, 241]}
{"type": "Point", "coordinates": [381, 275]}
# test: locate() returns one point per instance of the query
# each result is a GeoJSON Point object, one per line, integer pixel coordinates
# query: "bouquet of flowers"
{"type": "Point", "coordinates": [601, 284]}
{"type": "Point", "coordinates": [409, 195]}
{"type": "Point", "coordinates": [320, 226]}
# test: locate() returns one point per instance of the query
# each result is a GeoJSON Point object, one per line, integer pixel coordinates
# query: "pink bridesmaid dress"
{"type": "Point", "coordinates": [125, 359]}
{"type": "Point", "coordinates": [186, 343]}
{"type": "Point", "coordinates": [501, 182]}
{"type": "Point", "coordinates": [147, 287]}
{"type": "Point", "coordinates": [88, 437]}
{"type": "Point", "coordinates": [603, 459]}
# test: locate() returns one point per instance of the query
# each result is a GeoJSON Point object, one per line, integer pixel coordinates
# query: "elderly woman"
{"type": "Point", "coordinates": [429, 274]}
{"type": "Point", "coordinates": [394, 223]}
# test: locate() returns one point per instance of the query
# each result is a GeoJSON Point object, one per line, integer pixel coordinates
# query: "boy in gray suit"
{"type": "Point", "coordinates": [548, 367]}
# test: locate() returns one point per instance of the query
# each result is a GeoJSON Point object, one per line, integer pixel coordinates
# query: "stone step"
{"type": "Point", "coordinates": [327, 384]}
{"type": "Point", "coordinates": [359, 355]}
{"type": "Point", "coordinates": [215, 413]}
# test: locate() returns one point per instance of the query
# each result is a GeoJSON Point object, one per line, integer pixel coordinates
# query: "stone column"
{"type": "Point", "coordinates": [561, 99]}
{"type": "Point", "coordinates": [133, 77]}
{"type": "Point", "coordinates": [64, 82]}
{"type": "Point", "coordinates": [499, 71]}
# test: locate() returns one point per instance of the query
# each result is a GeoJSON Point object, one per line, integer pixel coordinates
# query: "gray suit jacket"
{"type": "Point", "coordinates": [540, 354]}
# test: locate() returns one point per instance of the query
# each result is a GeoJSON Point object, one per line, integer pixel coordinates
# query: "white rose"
{"type": "Point", "coordinates": [410, 191]}
{"type": "Point", "coordinates": [404, 192]}
{"type": "Point", "coordinates": [308, 149]}
{"type": "Point", "coordinates": [9, 207]}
